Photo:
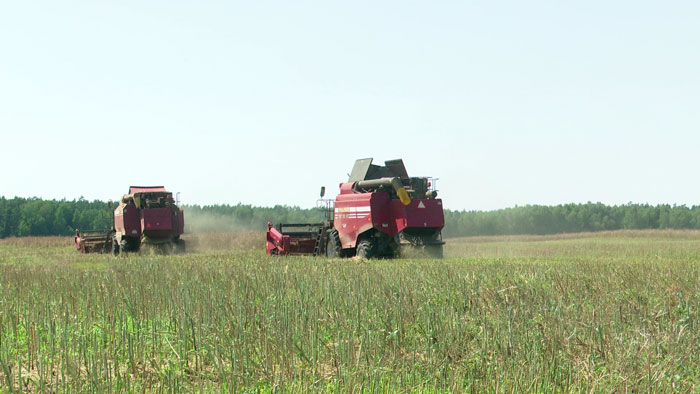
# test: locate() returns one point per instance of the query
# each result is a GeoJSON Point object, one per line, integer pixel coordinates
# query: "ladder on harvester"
{"type": "Point", "coordinates": [322, 236]}
{"type": "Point", "coordinates": [319, 241]}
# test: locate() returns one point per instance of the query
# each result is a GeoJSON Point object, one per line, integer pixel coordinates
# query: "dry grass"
{"type": "Point", "coordinates": [609, 246]}
{"type": "Point", "coordinates": [37, 242]}
{"type": "Point", "coordinates": [596, 312]}
{"type": "Point", "coordinates": [225, 241]}
{"type": "Point", "coordinates": [617, 234]}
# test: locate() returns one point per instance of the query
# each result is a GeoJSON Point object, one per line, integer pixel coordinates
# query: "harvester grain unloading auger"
{"type": "Point", "coordinates": [379, 212]}
{"type": "Point", "coordinates": [148, 215]}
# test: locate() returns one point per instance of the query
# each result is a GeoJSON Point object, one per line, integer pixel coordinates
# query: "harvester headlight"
{"type": "Point", "coordinates": [403, 196]}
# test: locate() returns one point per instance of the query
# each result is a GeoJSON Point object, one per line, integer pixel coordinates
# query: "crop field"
{"type": "Point", "coordinates": [614, 311]}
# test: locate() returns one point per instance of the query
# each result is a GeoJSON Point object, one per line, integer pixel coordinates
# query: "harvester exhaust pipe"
{"type": "Point", "coordinates": [394, 182]}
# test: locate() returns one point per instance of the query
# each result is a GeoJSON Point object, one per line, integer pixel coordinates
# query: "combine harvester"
{"type": "Point", "coordinates": [148, 215]}
{"type": "Point", "coordinates": [379, 212]}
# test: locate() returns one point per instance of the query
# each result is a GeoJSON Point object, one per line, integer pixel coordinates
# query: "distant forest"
{"type": "Point", "coordinates": [33, 216]}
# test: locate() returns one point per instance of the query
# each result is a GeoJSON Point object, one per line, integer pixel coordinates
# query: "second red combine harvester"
{"type": "Point", "coordinates": [379, 212]}
{"type": "Point", "coordinates": [147, 215]}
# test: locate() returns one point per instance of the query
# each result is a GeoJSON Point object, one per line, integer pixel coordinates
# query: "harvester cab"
{"type": "Point", "coordinates": [379, 212]}
{"type": "Point", "coordinates": [146, 215]}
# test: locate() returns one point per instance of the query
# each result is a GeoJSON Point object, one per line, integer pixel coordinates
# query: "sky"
{"type": "Point", "coordinates": [263, 102]}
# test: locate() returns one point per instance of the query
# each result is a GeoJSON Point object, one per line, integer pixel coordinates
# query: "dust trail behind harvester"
{"type": "Point", "coordinates": [206, 232]}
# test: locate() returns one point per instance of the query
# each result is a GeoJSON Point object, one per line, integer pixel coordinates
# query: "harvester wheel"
{"type": "Point", "coordinates": [434, 251]}
{"type": "Point", "coordinates": [123, 246]}
{"type": "Point", "coordinates": [333, 247]}
{"type": "Point", "coordinates": [366, 249]}
{"type": "Point", "coordinates": [115, 246]}
{"type": "Point", "coordinates": [179, 246]}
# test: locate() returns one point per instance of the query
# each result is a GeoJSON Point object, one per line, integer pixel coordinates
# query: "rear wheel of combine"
{"type": "Point", "coordinates": [179, 245]}
{"type": "Point", "coordinates": [366, 249]}
{"type": "Point", "coordinates": [333, 247]}
{"type": "Point", "coordinates": [167, 248]}
{"type": "Point", "coordinates": [434, 251]}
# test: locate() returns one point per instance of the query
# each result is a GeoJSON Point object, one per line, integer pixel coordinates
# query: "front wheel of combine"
{"type": "Point", "coordinates": [333, 247]}
{"type": "Point", "coordinates": [366, 249]}
{"type": "Point", "coordinates": [129, 244]}
{"type": "Point", "coordinates": [123, 246]}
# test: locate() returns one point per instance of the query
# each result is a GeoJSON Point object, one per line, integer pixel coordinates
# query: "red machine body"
{"type": "Point", "coordinates": [147, 215]}
{"type": "Point", "coordinates": [356, 213]}
{"type": "Point", "coordinates": [378, 211]}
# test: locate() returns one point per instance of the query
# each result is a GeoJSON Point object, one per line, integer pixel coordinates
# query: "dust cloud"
{"type": "Point", "coordinates": [206, 232]}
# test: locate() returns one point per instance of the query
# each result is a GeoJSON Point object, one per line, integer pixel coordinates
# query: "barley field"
{"type": "Point", "coordinates": [595, 312]}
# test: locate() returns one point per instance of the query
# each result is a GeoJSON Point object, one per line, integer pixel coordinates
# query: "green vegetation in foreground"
{"type": "Point", "coordinates": [596, 312]}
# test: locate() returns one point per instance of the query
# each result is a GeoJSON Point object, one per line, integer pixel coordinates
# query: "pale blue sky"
{"type": "Point", "coordinates": [263, 102]}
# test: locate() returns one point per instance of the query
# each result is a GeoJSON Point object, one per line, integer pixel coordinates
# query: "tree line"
{"type": "Point", "coordinates": [570, 218]}
{"type": "Point", "coordinates": [34, 216]}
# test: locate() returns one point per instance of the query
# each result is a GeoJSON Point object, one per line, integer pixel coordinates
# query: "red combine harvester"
{"type": "Point", "coordinates": [147, 215]}
{"type": "Point", "coordinates": [379, 211]}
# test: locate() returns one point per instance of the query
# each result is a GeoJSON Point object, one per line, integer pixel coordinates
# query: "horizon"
{"type": "Point", "coordinates": [629, 203]}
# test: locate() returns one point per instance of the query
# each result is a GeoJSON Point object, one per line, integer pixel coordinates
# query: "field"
{"type": "Point", "coordinates": [594, 312]}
